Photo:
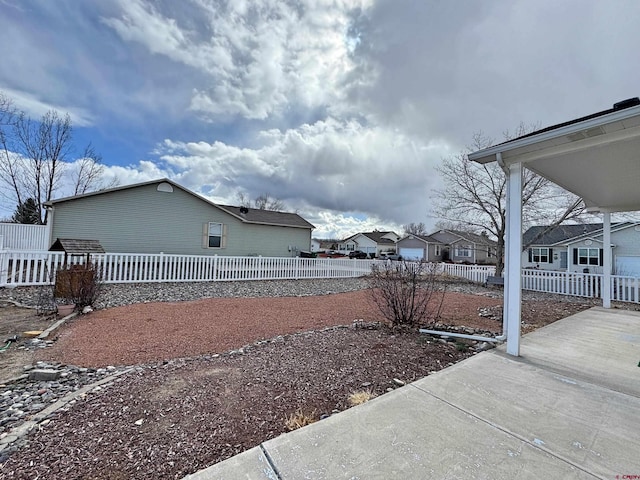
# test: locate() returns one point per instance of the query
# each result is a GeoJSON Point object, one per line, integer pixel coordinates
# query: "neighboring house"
{"type": "Point", "coordinates": [465, 247]}
{"type": "Point", "coordinates": [420, 247]}
{"type": "Point", "coordinates": [579, 248]}
{"type": "Point", "coordinates": [373, 243]}
{"type": "Point", "coordinates": [316, 245]}
{"type": "Point", "coordinates": [162, 216]}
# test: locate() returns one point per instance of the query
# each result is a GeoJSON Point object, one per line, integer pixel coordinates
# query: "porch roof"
{"type": "Point", "coordinates": [597, 157]}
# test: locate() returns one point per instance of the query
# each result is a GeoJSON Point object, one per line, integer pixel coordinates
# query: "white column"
{"type": "Point", "coordinates": [606, 261]}
{"type": "Point", "coordinates": [513, 278]}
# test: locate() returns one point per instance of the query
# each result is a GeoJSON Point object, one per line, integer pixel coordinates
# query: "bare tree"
{"type": "Point", "coordinates": [35, 156]}
{"type": "Point", "coordinates": [475, 195]}
{"type": "Point", "coordinates": [415, 228]}
{"type": "Point", "coordinates": [44, 147]}
{"type": "Point", "coordinates": [263, 201]}
{"type": "Point", "coordinates": [88, 174]}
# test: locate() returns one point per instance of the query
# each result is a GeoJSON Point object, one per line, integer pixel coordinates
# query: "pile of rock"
{"type": "Point", "coordinates": [42, 385]}
{"type": "Point", "coordinates": [113, 295]}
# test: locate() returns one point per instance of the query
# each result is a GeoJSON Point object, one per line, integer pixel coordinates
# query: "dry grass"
{"type": "Point", "coordinates": [360, 397]}
{"type": "Point", "coordinates": [299, 419]}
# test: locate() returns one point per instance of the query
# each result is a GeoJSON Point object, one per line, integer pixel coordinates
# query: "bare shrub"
{"type": "Point", "coordinates": [299, 419]}
{"type": "Point", "coordinates": [407, 293]}
{"type": "Point", "coordinates": [79, 284]}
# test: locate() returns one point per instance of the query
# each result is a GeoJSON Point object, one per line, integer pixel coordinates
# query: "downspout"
{"type": "Point", "coordinates": [49, 230]}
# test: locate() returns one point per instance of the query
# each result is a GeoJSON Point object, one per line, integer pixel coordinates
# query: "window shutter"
{"type": "Point", "coordinates": [575, 256]}
{"type": "Point", "coordinates": [601, 257]}
{"type": "Point", "coordinates": [223, 240]}
{"type": "Point", "coordinates": [551, 255]}
{"type": "Point", "coordinates": [530, 255]}
{"type": "Point", "coordinates": [205, 235]}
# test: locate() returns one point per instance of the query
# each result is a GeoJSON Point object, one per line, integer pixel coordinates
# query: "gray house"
{"type": "Point", "coordinates": [579, 248]}
{"type": "Point", "coordinates": [162, 216]}
{"type": "Point", "coordinates": [465, 247]}
{"type": "Point", "coordinates": [420, 247]}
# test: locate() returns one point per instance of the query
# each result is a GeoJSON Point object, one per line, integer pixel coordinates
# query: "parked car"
{"type": "Point", "coordinates": [357, 254]}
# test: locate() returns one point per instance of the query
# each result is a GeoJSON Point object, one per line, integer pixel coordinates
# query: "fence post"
{"type": "Point", "coordinates": [4, 267]}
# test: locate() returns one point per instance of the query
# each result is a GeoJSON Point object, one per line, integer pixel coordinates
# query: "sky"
{"type": "Point", "coordinates": [342, 109]}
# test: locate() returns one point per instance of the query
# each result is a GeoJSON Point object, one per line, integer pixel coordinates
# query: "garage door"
{"type": "Point", "coordinates": [628, 266]}
{"type": "Point", "coordinates": [412, 253]}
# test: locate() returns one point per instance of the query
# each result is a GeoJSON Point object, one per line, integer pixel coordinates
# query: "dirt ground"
{"type": "Point", "coordinates": [14, 321]}
{"type": "Point", "coordinates": [190, 405]}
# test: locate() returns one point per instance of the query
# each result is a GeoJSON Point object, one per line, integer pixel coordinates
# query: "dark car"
{"type": "Point", "coordinates": [357, 254]}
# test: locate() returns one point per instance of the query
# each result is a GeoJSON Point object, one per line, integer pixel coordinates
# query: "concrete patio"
{"type": "Point", "coordinates": [569, 407]}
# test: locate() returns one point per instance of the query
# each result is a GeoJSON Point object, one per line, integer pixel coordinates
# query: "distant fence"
{"type": "Point", "coordinates": [23, 268]}
{"type": "Point", "coordinates": [16, 236]}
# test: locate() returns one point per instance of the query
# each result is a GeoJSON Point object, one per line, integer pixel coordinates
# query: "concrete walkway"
{"type": "Point", "coordinates": [568, 408]}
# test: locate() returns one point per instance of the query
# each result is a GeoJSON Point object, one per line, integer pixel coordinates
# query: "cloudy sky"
{"type": "Point", "coordinates": [340, 108]}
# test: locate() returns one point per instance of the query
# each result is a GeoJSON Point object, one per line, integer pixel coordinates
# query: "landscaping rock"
{"type": "Point", "coordinates": [44, 375]}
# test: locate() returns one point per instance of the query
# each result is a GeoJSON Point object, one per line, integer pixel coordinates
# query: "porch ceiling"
{"type": "Point", "coordinates": [596, 157]}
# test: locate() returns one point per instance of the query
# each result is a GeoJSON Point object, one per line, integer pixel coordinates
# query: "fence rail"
{"type": "Point", "coordinates": [24, 268]}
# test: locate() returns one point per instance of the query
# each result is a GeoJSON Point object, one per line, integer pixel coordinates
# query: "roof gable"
{"type": "Point", "coordinates": [567, 233]}
{"type": "Point", "coordinates": [454, 236]}
{"type": "Point", "coordinates": [245, 215]}
{"type": "Point", "coordinates": [424, 238]}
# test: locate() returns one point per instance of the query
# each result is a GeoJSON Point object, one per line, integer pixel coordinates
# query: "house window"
{"type": "Point", "coordinates": [350, 247]}
{"type": "Point", "coordinates": [463, 251]}
{"type": "Point", "coordinates": [490, 252]}
{"type": "Point", "coordinates": [588, 256]}
{"type": "Point", "coordinates": [540, 255]}
{"type": "Point", "coordinates": [438, 250]}
{"type": "Point", "coordinates": [215, 235]}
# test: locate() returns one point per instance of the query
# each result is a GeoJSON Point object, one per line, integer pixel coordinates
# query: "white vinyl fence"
{"type": "Point", "coordinates": [623, 289]}
{"type": "Point", "coordinates": [22, 268]}
{"type": "Point", "coordinates": [15, 236]}
{"type": "Point", "coordinates": [38, 268]}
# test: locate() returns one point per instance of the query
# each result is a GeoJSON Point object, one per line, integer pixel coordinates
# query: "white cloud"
{"type": "Point", "coordinates": [341, 168]}
{"type": "Point", "coordinates": [36, 108]}
{"type": "Point", "coordinates": [261, 58]}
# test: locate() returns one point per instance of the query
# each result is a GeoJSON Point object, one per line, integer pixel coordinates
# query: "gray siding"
{"type": "Point", "coordinates": [627, 242]}
{"type": "Point", "coordinates": [143, 220]}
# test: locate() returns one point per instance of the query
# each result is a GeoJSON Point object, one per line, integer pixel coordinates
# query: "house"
{"type": "Point", "coordinates": [373, 243]}
{"type": "Point", "coordinates": [465, 247]}
{"type": "Point", "coordinates": [162, 216]}
{"type": "Point", "coordinates": [316, 245]}
{"type": "Point", "coordinates": [420, 247]}
{"type": "Point", "coordinates": [579, 248]}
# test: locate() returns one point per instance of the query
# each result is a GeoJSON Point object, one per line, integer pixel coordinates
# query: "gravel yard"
{"type": "Point", "coordinates": [218, 368]}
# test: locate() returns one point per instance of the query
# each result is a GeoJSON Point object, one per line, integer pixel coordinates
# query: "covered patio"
{"type": "Point", "coordinates": [596, 157]}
